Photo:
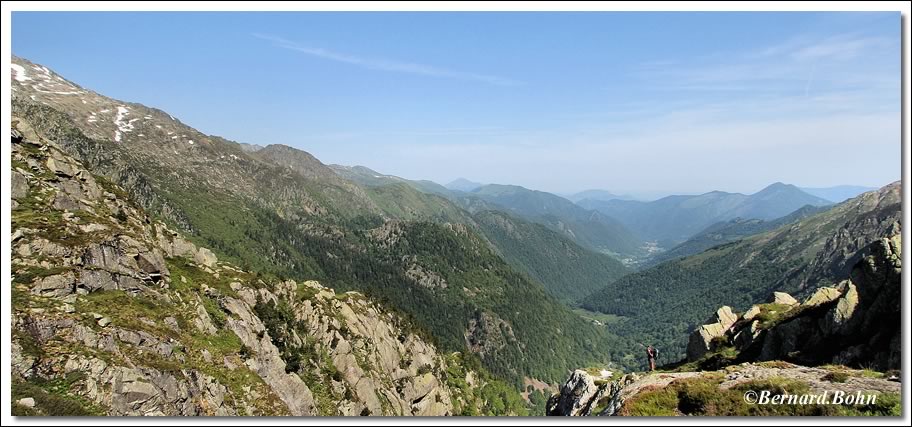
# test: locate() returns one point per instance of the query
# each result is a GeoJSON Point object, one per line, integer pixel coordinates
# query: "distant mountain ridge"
{"type": "Point", "coordinates": [730, 231]}
{"type": "Point", "coordinates": [586, 227]}
{"type": "Point", "coordinates": [674, 219]}
{"type": "Point", "coordinates": [603, 195]}
{"type": "Point", "coordinates": [462, 184]}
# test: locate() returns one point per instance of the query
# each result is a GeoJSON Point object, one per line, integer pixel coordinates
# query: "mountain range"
{"type": "Point", "coordinates": [159, 270]}
{"type": "Point", "coordinates": [588, 228]}
{"type": "Point", "coordinates": [729, 231]}
{"type": "Point", "coordinates": [280, 212]}
{"type": "Point", "coordinates": [662, 303]}
{"type": "Point", "coordinates": [673, 219]}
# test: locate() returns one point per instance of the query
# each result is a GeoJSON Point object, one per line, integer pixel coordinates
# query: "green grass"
{"type": "Point", "coordinates": [52, 398]}
{"type": "Point", "coordinates": [772, 314]}
{"type": "Point", "coordinates": [196, 277]}
{"type": "Point", "coordinates": [126, 311]}
{"type": "Point", "coordinates": [702, 396]}
{"type": "Point", "coordinates": [27, 274]}
{"type": "Point", "coordinates": [659, 402]}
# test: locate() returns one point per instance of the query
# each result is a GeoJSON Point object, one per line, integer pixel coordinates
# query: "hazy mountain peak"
{"type": "Point", "coordinates": [462, 184]}
{"type": "Point", "coordinates": [778, 186]}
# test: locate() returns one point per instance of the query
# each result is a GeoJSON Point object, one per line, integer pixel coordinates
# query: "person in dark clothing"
{"type": "Point", "coordinates": [651, 355]}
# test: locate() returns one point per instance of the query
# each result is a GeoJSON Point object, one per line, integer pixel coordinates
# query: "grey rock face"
{"type": "Point", "coordinates": [20, 185]}
{"type": "Point", "coordinates": [784, 299]}
{"type": "Point", "coordinates": [701, 339]}
{"type": "Point", "coordinates": [575, 397]}
{"type": "Point", "coordinates": [58, 285]}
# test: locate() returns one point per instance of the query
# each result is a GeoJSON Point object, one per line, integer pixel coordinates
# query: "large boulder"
{"type": "Point", "coordinates": [783, 299]}
{"type": "Point", "coordinates": [702, 338]}
{"type": "Point", "coordinates": [575, 397]}
{"type": "Point", "coordinates": [58, 285]}
{"type": "Point", "coordinates": [20, 185]}
{"type": "Point", "coordinates": [205, 257]}
{"type": "Point", "coordinates": [751, 313]}
{"type": "Point", "coordinates": [821, 296]}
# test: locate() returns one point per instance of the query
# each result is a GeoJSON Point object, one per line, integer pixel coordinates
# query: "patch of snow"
{"type": "Point", "coordinates": [605, 373]}
{"type": "Point", "coordinates": [158, 126]}
{"type": "Point", "coordinates": [140, 135]}
{"type": "Point", "coordinates": [122, 126]}
{"type": "Point", "coordinates": [233, 157]}
{"type": "Point", "coordinates": [47, 73]}
{"type": "Point", "coordinates": [84, 101]}
{"type": "Point", "coordinates": [33, 98]}
{"type": "Point", "coordinates": [190, 142]}
{"type": "Point", "coordinates": [172, 117]}
{"type": "Point", "coordinates": [174, 137]}
{"type": "Point", "coordinates": [20, 73]}
{"type": "Point", "coordinates": [105, 111]}
{"type": "Point", "coordinates": [148, 117]}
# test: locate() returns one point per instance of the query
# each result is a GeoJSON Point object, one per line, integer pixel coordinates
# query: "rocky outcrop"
{"type": "Point", "coordinates": [487, 334]}
{"type": "Point", "coordinates": [584, 395]}
{"type": "Point", "coordinates": [854, 323]}
{"type": "Point", "coordinates": [784, 299]}
{"type": "Point", "coordinates": [576, 396]}
{"type": "Point", "coordinates": [702, 339]}
{"type": "Point", "coordinates": [140, 321]}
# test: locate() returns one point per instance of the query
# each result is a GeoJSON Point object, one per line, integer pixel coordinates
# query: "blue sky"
{"type": "Point", "coordinates": [631, 102]}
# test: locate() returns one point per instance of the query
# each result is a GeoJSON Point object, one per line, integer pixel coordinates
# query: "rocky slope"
{"type": "Point", "coordinates": [115, 313]}
{"type": "Point", "coordinates": [276, 210]}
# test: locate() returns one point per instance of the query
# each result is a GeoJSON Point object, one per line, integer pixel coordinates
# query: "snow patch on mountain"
{"type": "Point", "coordinates": [122, 126]}
{"type": "Point", "coordinates": [20, 73]}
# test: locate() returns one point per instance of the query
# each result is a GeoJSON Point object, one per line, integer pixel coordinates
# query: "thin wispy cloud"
{"type": "Point", "coordinates": [802, 64]}
{"type": "Point", "coordinates": [383, 64]}
{"type": "Point", "coordinates": [840, 48]}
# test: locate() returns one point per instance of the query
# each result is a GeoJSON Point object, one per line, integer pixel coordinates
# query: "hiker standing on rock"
{"type": "Point", "coordinates": [651, 355]}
